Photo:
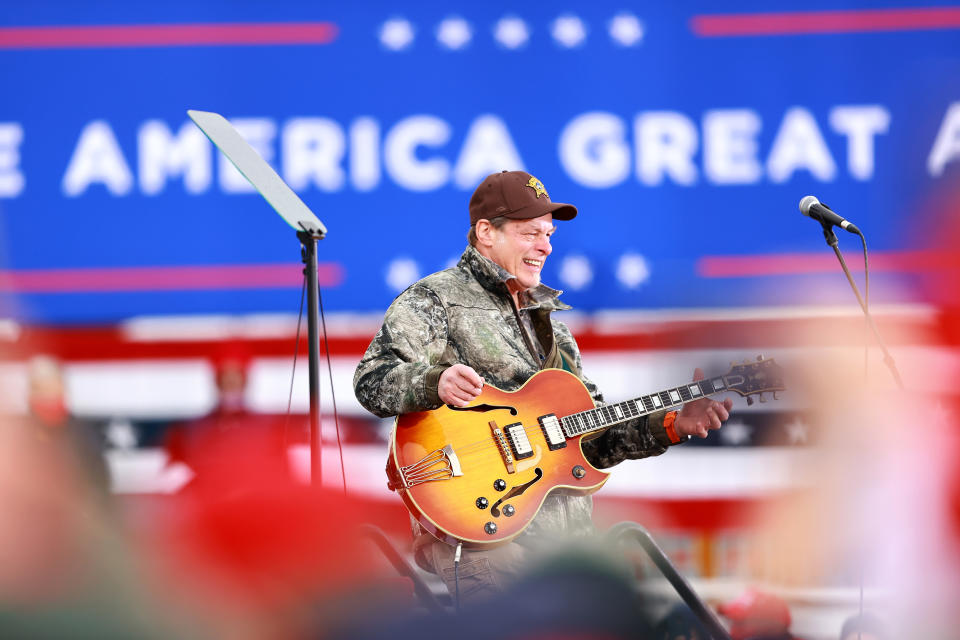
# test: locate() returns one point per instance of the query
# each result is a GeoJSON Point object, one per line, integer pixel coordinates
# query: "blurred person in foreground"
{"type": "Point", "coordinates": [488, 321]}
{"type": "Point", "coordinates": [66, 569]}
{"type": "Point", "coordinates": [756, 615]}
{"type": "Point", "coordinates": [50, 421]}
{"type": "Point", "coordinates": [587, 596]}
{"type": "Point", "coordinates": [680, 623]}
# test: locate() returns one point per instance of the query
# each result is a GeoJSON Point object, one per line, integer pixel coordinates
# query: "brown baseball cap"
{"type": "Point", "coordinates": [517, 195]}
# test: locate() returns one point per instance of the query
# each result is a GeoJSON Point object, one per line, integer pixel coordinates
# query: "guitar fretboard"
{"type": "Point", "coordinates": [609, 415]}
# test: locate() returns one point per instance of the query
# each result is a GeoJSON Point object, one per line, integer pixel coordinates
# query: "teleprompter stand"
{"type": "Point", "coordinates": [309, 231]}
{"type": "Point", "coordinates": [309, 241]}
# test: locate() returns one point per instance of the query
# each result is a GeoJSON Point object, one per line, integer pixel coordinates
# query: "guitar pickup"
{"type": "Point", "coordinates": [519, 442]}
{"type": "Point", "coordinates": [552, 432]}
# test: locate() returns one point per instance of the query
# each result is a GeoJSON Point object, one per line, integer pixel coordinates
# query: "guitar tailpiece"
{"type": "Point", "coordinates": [426, 469]}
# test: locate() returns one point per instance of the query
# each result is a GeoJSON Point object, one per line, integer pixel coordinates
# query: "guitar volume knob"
{"type": "Point", "coordinates": [490, 528]}
{"type": "Point", "coordinates": [482, 503]}
{"type": "Point", "coordinates": [499, 484]}
{"type": "Point", "coordinates": [508, 510]}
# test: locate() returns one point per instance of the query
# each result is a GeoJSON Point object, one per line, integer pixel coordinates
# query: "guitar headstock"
{"type": "Point", "coordinates": [755, 377]}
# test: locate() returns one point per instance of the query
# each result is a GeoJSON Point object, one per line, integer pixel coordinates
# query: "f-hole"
{"type": "Point", "coordinates": [514, 492]}
{"type": "Point", "coordinates": [484, 407]}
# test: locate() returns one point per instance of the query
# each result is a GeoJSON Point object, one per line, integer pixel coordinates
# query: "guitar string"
{"type": "Point", "coordinates": [469, 448]}
{"type": "Point", "coordinates": [481, 446]}
{"type": "Point", "coordinates": [474, 448]}
{"type": "Point", "coordinates": [638, 402]}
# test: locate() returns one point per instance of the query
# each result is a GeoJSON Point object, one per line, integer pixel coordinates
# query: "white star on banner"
{"type": "Point", "coordinates": [454, 33]}
{"type": "Point", "coordinates": [796, 431]}
{"type": "Point", "coordinates": [632, 270]}
{"type": "Point", "coordinates": [735, 434]}
{"type": "Point", "coordinates": [511, 32]}
{"type": "Point", "coordinates": [625, 29]}
{"type": "Point", "coordinates": [396, 34]}
{"type": "Point", "coordinates": [121, 434]}
{"type": "Point", "coordinates": [575, 272]}
{"type": "Point", "coordinates": [401, 273]}
{"type": "Point", "coordinates": [568, 31]}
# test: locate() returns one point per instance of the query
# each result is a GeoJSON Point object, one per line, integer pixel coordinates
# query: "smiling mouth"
{"type": "Point", "coordinates": [536, 264]}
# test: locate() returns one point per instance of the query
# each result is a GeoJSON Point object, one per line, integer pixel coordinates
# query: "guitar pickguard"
{"type": "Point", "coordinates": [530, 463]}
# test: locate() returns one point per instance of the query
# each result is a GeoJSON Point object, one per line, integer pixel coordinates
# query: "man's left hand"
{"type": "Point", "coordinates": [698, 417]}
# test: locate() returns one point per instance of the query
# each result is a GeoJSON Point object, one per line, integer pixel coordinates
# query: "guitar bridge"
{"type": "Point", "coordinates": [439, 464]}
{"type": "Point", "coordinates": [501, 442]}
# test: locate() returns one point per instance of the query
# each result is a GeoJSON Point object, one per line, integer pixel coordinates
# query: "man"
{"type": "Point", "coordinates": [487, 321]}
{"type": "Point", "coordinates": [229, 445]}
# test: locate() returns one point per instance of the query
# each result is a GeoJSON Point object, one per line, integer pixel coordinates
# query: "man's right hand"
{"type": "Point", "coordinates": [459, 385]}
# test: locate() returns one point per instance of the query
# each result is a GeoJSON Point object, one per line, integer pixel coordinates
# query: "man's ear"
{"type": "Point", "coordinates": [484, 231]}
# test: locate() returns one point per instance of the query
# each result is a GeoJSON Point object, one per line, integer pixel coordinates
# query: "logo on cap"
{"type": "Point", "coordinates": [537, 186]}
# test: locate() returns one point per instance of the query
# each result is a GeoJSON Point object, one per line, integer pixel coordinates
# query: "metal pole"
{"type": "Point", "coordinates": [309, 253]}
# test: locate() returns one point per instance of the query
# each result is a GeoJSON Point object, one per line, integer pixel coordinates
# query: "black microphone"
{"type": "Point", "coordinates": [812, 208]}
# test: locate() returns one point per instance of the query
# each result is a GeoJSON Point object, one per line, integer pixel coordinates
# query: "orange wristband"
{"type": "Point", "coordinates": [668, 421]}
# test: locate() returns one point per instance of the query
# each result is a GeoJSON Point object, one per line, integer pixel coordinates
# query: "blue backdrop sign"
{"type": "Point", "coordinates": [682, 135]}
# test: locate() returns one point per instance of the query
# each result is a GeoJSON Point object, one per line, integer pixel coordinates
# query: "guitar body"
{"type": "Point", "coordinates": [451, 470]}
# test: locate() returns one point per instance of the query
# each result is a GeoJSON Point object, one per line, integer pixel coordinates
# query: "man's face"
{"type": "Point", "coordinates": [521, 247]}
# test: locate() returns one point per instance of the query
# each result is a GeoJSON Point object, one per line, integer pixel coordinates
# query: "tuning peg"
{"type": "Point", "coordinates": [749, 400]}
{"type": "Point", "coordinates": [762, 399]}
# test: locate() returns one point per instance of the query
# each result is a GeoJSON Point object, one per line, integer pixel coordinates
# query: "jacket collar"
{"type": "Point", "coordinates": [493, 277]}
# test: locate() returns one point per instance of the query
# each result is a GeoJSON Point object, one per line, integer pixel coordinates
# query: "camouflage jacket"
{"type": "Point", "coordinates": [465, 314]}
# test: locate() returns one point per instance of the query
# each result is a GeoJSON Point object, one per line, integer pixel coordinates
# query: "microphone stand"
{"type": "Point", "coordinates": [308, 239]}
{"type": "Point", "coordinates": [831, 239]}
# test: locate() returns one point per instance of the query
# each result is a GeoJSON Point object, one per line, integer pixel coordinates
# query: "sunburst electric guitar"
{"type": "Point", "coordinates": [478, 474]}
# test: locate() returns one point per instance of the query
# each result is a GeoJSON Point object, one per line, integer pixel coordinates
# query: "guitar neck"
{"type": "Point", "coordinates": [609, 415]}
